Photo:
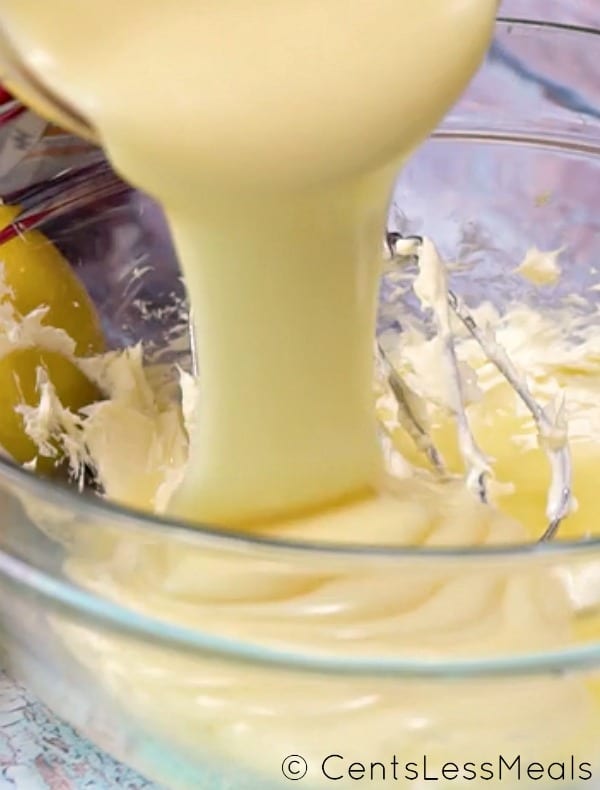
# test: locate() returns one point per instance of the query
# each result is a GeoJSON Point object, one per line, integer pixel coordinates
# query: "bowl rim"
{"type": "Point", "coordinates": [548, 24]}
{"type": "Point", "coordinates": [85, 605]}
{"type": "Point", "coordinates": [63, 495]}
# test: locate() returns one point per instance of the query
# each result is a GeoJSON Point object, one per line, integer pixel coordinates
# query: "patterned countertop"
{"type": "Point", "coordinates": [37, 751]}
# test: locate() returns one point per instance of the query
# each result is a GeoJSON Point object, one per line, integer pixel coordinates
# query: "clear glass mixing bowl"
{"type": "Point", "coordinates": [186, 699]}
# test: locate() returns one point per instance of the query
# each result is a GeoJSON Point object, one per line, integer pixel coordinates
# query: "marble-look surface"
{"type": "Point", "coordinates": [38, 752]}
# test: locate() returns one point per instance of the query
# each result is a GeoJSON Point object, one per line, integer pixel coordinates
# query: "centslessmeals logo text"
{"type": "Point", "coordinates": [511, 769]}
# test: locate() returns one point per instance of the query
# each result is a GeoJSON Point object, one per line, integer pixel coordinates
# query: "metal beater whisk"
{"type": "Point", "coordinates": [559, 498]}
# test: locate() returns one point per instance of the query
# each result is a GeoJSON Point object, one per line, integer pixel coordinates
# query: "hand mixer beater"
{"type": "Point", "coordinates": [446, 308]}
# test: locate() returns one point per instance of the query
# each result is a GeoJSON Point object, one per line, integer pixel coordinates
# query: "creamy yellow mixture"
{"type": "Point", "coordinates": [342, 608]}
{"type": "Point", "coordinates": [223, 712]}
{"type": "Point", "coordinates": [271, 132]}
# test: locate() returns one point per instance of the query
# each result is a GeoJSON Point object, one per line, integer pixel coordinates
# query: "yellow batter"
{"type": "Point", "coordinates": [271, 132]}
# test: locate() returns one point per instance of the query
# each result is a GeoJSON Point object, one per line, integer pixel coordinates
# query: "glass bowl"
{"type": "Point", "coordinates": [238, 687]}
